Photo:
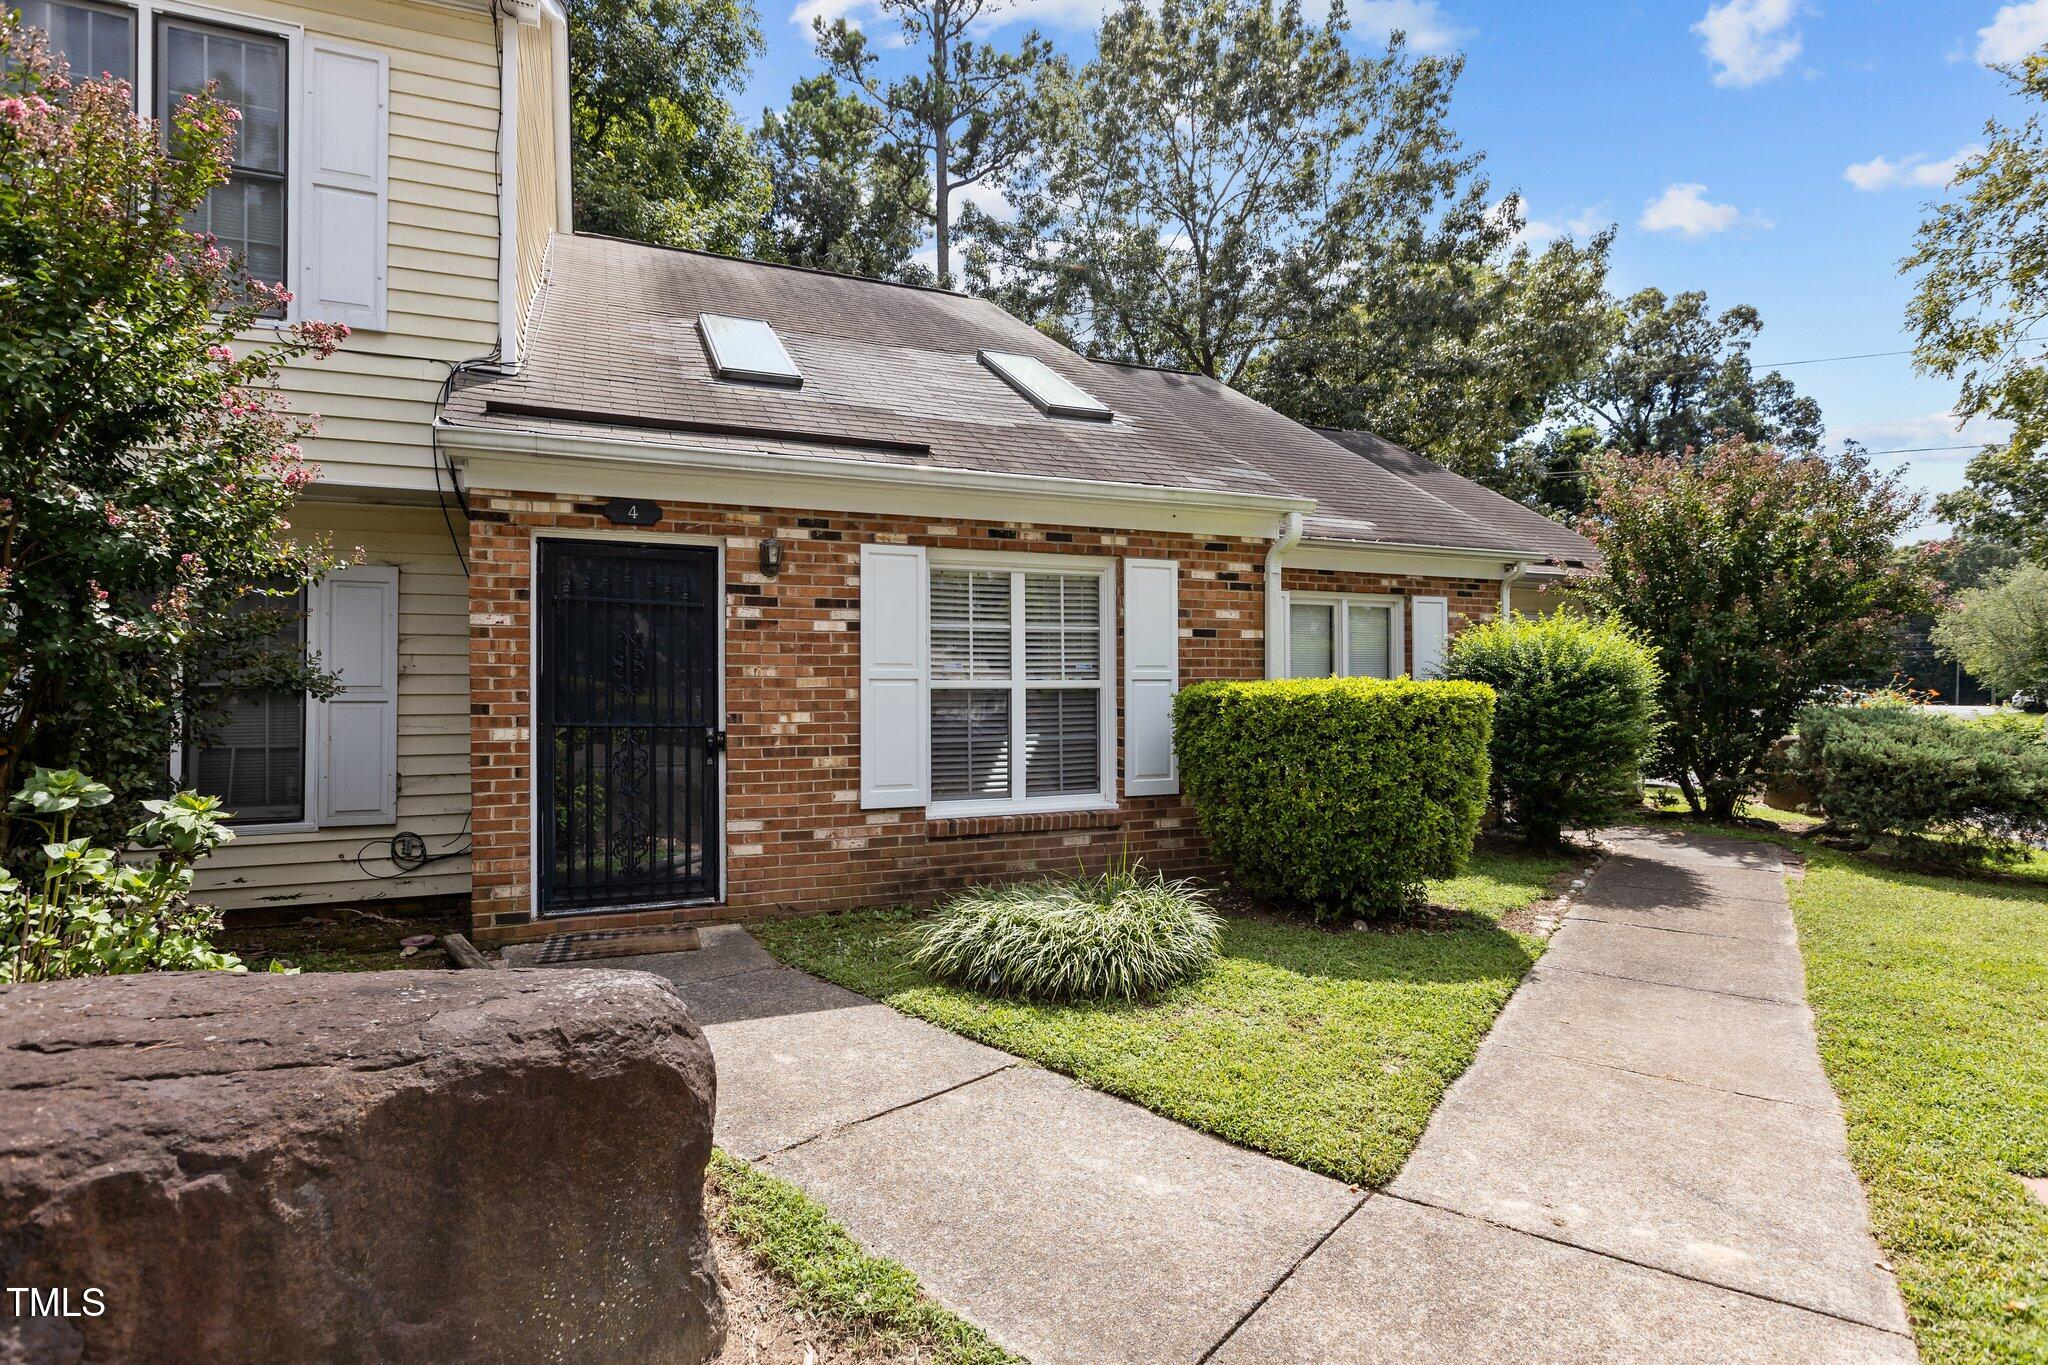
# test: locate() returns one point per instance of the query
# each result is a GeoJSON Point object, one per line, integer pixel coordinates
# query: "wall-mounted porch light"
{"type": "Point", "coordinates": [771, 557]}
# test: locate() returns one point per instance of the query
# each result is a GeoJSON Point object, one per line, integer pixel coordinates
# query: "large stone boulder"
{"type": "Point", "coordinates": [389, 1166]}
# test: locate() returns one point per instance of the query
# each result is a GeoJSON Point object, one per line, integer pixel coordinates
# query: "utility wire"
{"type": "Point", "coordinates": [1863, 355]}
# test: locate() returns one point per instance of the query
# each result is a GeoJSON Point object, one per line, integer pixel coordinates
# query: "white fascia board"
{"type": "Point", "coordinates": [1445, 561]}
{"type": "Point", "coordinates": [611, 466]}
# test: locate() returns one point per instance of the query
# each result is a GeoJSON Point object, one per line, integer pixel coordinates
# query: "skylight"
{"type": "Point", "coordinates": [748, 351]}
{"type": "Point", "coordinates": [1055, 395]}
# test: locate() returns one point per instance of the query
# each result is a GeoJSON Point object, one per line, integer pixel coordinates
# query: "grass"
{"type": "Point", "coordinates": [827, 1276]}
{"type": "Point", "coordinates": [1930, 993]}
{"type": "Point", "coordinates": [1325, 1048]}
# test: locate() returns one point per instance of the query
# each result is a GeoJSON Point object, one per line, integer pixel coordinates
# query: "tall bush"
{"type": "Point", "coordinates": [1341, 793]}
{"type": "Point", "coordinates": [1943, 788]}
{"type": "Point", "coordinates": [1575, 717]}
{"type": "Point", "coordinates": [1759, 578]}
{"type": "Point", "coordinates": [147, 462]}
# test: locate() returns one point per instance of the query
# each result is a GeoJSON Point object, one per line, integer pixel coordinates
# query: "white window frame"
{"type": "Point", "coordinates": [1340, 634]}
{"type": "Point", "coordinates": [308, 821]}
{"type": "Point", "coordinates": [1104, 797]}
{"type": "Point", "coordinates": [146, 13]}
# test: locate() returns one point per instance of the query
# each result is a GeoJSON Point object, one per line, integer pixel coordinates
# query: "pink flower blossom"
{"type": "Point", "coordinates": [223, 354]}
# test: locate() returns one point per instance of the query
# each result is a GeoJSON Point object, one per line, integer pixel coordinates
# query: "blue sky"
{"type": "Point", "coordinates": [1771, 152]}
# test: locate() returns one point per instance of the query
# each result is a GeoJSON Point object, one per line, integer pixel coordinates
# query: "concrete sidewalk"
{"type": "Point", "coordinates": [1644, 1163]}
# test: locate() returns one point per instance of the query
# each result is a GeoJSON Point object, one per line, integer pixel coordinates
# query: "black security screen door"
{"type": "Point", "coordinates": [629, 737]}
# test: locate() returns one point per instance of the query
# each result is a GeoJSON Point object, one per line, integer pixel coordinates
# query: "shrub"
{"type": "Point", "coordinates": [1124, 935]}
{"type": "Point", "coordinates": [92, 914]}
{"type": "Point", "coordinates": [1575, 717]}
{"type": "Point", "coordinates": [1943, 788]}
{"type": "Point", "coordinates": [1342, 793]}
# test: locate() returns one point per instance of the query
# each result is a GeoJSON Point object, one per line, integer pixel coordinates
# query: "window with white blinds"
{"type": "Point", "coordinates": [1347, 637]}
{"type": "Point", "coordinates": [1017, 696]}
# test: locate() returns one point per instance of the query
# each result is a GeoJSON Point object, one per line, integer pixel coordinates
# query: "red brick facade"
{"type": "Point", "coordinates": [797, 838]}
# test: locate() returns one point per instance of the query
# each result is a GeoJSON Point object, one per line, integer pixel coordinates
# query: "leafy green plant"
{"type": "Point", "coordinates": [1999, 631]}
{"type": "Point", "coordinates": [1124, 935]}
{"type": "Point", "coordinates": [91, 913]}
{"type": "Point", "coordinates": [1341, 793]}
{"type": "Point", "coordinates": [1941, 788]}
{"type": "Point", "coordinates": [1760, 577]}
{"type": "Point", "coordinates": [1575, 717]}
{"type": "Point", "coordinates": [148, 459]}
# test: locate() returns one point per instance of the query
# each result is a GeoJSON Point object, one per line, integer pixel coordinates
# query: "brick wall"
{"type": "Point", "coordinates": [796, 837]}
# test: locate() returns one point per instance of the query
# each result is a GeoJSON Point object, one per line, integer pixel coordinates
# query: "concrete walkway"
{"type": "Point", "coordinates": [1644, 1163]}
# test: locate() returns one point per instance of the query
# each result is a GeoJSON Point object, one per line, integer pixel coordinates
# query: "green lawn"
{"type": "Point", "coordinates": [1931, 998]}
{"type": "Point", "coordinates": [1931, 995]}
{"type": "Point", "coordinates": [1326, 1048]}
{"type": "Point", "coordinates": [825, 1275]}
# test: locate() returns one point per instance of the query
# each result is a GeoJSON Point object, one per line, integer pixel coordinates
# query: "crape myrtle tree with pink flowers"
{"type": "Point", "coordinates": [1761, 577]}
{"type": "Point", "coordinates": [147, 463]}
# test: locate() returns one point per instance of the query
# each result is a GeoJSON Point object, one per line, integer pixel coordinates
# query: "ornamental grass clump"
{"type": "Point", "coordinates": [1124, 935]}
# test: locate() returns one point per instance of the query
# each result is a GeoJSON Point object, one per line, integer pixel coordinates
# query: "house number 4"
{"type": "Point", "coordinates": [632, 512]}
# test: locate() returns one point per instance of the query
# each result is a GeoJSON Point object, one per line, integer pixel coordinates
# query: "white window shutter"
{"type": "Point", "coordinates": [343, 185]}
{"type": "Point", "coordinates": [356, 635]}
{"type": "Point", "coordinates": [894, 714]}
{"type": "Point", "coordinates": [1151, 675]}
{"type": "Point", "coordinates": [1432, 630]}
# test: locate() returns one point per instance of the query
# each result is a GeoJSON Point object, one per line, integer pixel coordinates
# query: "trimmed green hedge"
{"type": "Point", "coordinates": [1575, 717]}
{"type": "Point", "coordinates": [1342, 793]}
{"type": "Point", "coordinates": [1944, 788]}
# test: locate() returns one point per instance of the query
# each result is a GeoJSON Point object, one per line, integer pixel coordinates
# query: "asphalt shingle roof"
{"type": "Point", "coordinates": [891, 375]}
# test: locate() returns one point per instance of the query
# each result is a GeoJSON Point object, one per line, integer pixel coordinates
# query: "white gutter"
{"type": "Point", "coordinates": [1276, 614]}
{"type": "Point", "coordinates": [558, 19]}
{"type": "Point", "coordinates": [1515, 574]}
{"type": "Point", "coordinates": [508, 185]}
{"type": "Point", "coordinates": [686, 459]}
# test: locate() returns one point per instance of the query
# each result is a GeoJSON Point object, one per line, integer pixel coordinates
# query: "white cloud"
{"type": "Point", "coordinates": [1685, 208]}
{"type": "Point", "coordinates": [1428, 28]}
{"type": "Point", "coordinates": [1913, 436]}
{"type": "Point", "coordinates": [2013, 33]}
{"type": "Point", "coordinates": [1540, 232]}
{"type": "Point", "coordinates": [984, 196]}
{"type": "Point", "coordinates": [828, 10]}
{"type": "Point", "coordinates": [1882, 173]}
{"type": "Point", "coordinates": [1747, 40]}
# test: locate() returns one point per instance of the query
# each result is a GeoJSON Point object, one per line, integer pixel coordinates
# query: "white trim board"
{"type": "Point", "coordinates": [583, 467]}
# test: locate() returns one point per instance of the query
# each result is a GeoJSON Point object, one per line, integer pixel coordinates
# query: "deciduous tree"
{"type": "Point", "coordinates": [846, 197]}
{"type": "Point", "coordinates": [1759, 576]}
{"type": "Point", "coordinates": [1982, 295]}
{"type": "Point", "coordinates": [2000, 632]}
{"type": "Point", "coordinates": [1219, 179]}
{"type": "Point", "coordinates": [656, 153]}
{"type": "Point", "coordinates": [147, 462]}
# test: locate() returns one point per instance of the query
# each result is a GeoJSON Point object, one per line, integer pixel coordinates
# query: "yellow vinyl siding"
{"type": "Point", "coordinates": [275, 871]}
{"type": "Point", "coordinates": [535, 216]}
{"type": "Point", "coordinates": [376, 395]}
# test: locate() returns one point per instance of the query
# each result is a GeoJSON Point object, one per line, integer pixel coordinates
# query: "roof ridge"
{"type": "Point", "coordinates": [775, 265]}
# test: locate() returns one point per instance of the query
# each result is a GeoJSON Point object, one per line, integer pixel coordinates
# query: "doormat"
{"type": "Point", "coordinates": [596, 943]}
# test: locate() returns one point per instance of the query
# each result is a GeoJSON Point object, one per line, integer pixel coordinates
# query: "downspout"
{"type": "Point", "coordinates": [1515, 574]}
{"type": "Point", "coordinates": [1276, 616]}
{"type": "Point", "coordinates": [508, 187]}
